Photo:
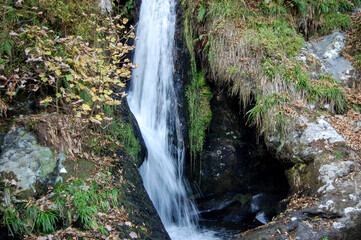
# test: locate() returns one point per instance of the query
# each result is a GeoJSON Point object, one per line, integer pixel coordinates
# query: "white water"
{"type": "Point", "coordinates": [153, 102]}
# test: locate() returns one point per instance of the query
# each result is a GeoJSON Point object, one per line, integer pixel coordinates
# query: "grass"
{"type": "Point", "coordinates": [75, 204]}
{"type": "Point", "coordinates": [45, 221]}
{"type": "Point", "coordinates": [198, 96]}
{"type": "Point", "coordinates": [12, 221]}
{"type": "Point", "coordinates": [251, 47]}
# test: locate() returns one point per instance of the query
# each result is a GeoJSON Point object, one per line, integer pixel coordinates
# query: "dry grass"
{"type": "Point", "coordinates": [66, 134]}
{"type": "Point", "coordinates": [236, 63]}
{"type": "Point", "coordinates": [3, 108]}
{"type": "Point", "coordinates": [61, 133]}
{"type": "Point", "coordinates": [252, 55]}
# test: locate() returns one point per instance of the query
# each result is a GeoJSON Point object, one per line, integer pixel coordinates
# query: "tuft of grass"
{"type": "Point", "coordinates": [45, 221]}
{"type": "Point", "coordinates": [13, 222]}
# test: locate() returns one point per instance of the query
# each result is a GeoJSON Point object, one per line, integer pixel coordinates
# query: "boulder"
{"type": "Point", "coordinates": [330, 61]}
{"type": "Point", "coordinates": [30, 162]}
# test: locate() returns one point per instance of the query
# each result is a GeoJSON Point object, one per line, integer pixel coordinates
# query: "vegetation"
{"type": "Point", "coordinates": [353, 47]}
{"type": "Point", "coordinates": [251, 47]}
{"type": "Point", "coordinates": [72, 61]}
{"type": "Point", "coordinates": [198, 97]}
{"type": "Point", "coordinates": [85, 204]}
{"type": "Point", "coordinates": [120, 133]}
{"type": "Point", "coordinates": [76, 68]}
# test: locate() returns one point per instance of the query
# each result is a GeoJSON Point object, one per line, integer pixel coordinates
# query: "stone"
{"type": "Point", "coordinates": [320, 130]}
{"type": "Point", "coordinates": [330, 172]}
{"type": "Point", "coordinates": [106, 6]}
{"type": "Point", "coordinates": [357, 10]}
{"type": "Point", "coordinates": [27, 160]}
{"type": "Point", "coordinates": [328, 52]}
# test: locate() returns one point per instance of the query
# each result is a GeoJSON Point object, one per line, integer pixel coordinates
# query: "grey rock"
{"type": "Point", "coordinates": [357, 10]}
{"type": "Point", "coordinates": [105, 5]}
{"type": "Point", "coordinates": [27, 160]}
{"type": "Point", "coordinates": [328, 52]}
{"type": "Point", "coordinates": [320, 130]}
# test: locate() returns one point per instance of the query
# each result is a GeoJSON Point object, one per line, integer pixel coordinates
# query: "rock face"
{"type": "Point", "coordinates": [240, 181]}
{"type": "Point", "coordinates": [29, 162]}
{"type": "Point", "coordinates": [324, 167]}
{"type": "Point", "coordinates": [136, 200]}
{"type": "Point", "coordinates": [328, 52]}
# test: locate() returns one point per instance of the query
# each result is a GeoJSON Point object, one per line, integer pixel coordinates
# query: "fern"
{"type": "Point", "coordinates": [6, 44]}
{"type": "Point", "coordinates": [201, 13]}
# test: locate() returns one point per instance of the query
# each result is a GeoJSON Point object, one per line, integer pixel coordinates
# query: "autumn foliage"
{"type": "Point", "coordinates": [71, 74]}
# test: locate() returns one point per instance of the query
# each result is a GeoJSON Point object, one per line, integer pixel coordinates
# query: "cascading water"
{"type": "Point", "coordinates": [153, 102]}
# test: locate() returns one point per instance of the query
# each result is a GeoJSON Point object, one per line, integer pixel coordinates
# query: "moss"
{"type": "Point", "coordinates": [200, 114]}
{"type": "Point", "coordinates": [81, 168]}
{"type": "Point", "coordinates": [47, 162]}
{"type": "Point", "coordinates": [121, 134]}
{"type": "Point", "coordinates": [198, 97]}
{"type": "Point", "coordinates": [243, 199]}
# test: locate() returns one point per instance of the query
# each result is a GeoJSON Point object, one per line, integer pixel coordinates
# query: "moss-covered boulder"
{"type": "Point", "coordinates": [27, 160]}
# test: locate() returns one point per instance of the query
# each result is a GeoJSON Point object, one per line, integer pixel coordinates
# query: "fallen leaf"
{"type": "Point", "coordinates": [133, 235]}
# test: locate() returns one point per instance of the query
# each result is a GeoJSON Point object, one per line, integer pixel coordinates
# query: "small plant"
{"type": "Point", "coordinates": [339, 155]}
{"type": "Point", "coordinates": [45, 221]}
{"type": "Point", "coordinates": [12, 221]}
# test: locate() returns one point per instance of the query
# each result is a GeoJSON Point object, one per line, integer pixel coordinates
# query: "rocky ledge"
{"type": "Point", "coordinates": [323, 158]}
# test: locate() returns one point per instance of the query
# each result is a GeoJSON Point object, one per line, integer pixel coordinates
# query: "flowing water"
{"type": "Point", "coordinates": [153, 102]}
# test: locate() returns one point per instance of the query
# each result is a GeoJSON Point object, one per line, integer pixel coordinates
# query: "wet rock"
{"type": "Point", "coordinates": [240, 182]}
{"type": "Point", "coordinates": [29, 161]}
{"type": "Point", "coordinates": [137, 202]}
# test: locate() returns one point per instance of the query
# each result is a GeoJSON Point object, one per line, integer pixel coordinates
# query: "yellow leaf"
{"type": "Point", "coordinates": [86, 107]}
{"type": "Point", "coordinates": [46, 100]}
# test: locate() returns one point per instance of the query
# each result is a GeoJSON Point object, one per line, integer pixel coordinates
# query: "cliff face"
{"type": "Point", "coordinates": [302, 95]}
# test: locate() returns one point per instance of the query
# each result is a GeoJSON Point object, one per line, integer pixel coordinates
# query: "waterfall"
{"type": "Point", "coordinates": [152, 99]}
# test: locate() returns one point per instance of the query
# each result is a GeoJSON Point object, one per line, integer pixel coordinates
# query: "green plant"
{"type": "Point", "coordinates": [198, 96]}
{"type": "Point", "coordinates": [201, 13]}
{"type": "Point", "coordinates": [339, 155]}
{"type": "Point", "coordinates": [45, 221]}
{"type": "Point", "coordinates": [335, 21]}
{"type": "Point", "coordinates": [121, 134]}
{"type": "Point", "coordinates": [12, 221]}
{"type": "Point", "coordinates": [103, 231]}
